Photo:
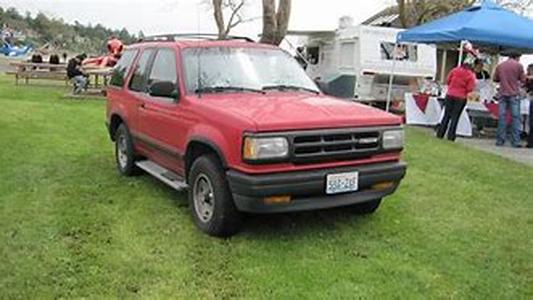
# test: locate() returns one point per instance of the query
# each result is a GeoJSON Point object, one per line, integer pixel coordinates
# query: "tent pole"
{"type": "Point", "coordinates": [443, 66]}
{"type": "Point", "coordinates": [391, 77]}
{"type": "Point", "coordinates": [461, 52]}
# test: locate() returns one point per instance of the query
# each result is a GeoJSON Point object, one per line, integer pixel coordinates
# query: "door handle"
{"type": "Point", "coordinates": [142, 105]}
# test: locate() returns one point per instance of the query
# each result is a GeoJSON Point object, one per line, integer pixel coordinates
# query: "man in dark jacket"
{"type": "Point", "coordinates": [75, 73]}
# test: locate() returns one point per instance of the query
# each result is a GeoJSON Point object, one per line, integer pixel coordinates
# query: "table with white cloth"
{"type": "Point", "coordinates": [429, 110]}
{"type": "Point", "coordinates": [418, 111]}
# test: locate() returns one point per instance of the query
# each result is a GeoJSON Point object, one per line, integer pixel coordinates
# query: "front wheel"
{"type": "Point", "coordinates": [210, 199]}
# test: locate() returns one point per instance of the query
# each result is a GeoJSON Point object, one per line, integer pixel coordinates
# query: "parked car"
{"type": "Point", "coordinates": [245, 130]}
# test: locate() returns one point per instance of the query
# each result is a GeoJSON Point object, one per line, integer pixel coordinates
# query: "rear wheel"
{"type": "Point", "coordinates": [210, 200]}
{"type": "Point", "coordinates": [124, 152]}
{"type": "Point", "coordinates": [367, 207]}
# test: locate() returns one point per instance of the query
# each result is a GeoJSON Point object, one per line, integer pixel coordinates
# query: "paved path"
{"type": "Point", "coordinates": [523, 155]}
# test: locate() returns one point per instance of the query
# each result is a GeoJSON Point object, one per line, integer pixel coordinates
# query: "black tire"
{"type": "Point", "coordinates": [220, 218]}
{"type": "Point", "coordinates": [125, 164]}
{"type": "Point", "coordinates": [367, 207]}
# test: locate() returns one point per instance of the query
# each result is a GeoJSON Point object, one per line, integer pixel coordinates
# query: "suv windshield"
{"type": "Point", "coordinates": [243, 69]}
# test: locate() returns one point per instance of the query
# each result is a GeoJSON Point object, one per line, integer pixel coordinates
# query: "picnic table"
{"type": "Point", "coordinates": [29, 70]}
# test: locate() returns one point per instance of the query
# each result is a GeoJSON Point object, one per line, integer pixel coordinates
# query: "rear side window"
{"type": "Point", "coordinates": [121, 69]}
{"type": "Point", "coordinates": [139, 79]}
{"type": "Point", "coordinates": [164, 67]}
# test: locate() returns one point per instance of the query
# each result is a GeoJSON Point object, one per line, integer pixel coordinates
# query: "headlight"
{"type": "Point", "coordinates": [393, 139]}
{"type": "Point", "coordinates": [265, 148]}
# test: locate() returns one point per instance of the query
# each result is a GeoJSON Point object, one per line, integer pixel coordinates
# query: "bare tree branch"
{"type": "Point", "coordinates": [235, 9]}
{"type": "Point", "coordinates": [235, 13]}
{"type": "Point", "coordinates": [416, 12]}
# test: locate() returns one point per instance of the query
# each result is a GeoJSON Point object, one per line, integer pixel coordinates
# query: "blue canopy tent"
{"type": "Point", "coordinates": [486, 25]}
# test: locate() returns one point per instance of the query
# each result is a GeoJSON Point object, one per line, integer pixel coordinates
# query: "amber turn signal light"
{"type": "Point", "coordinates": [383, 185]}
{"type": "Point", "coordinates": [277, 200]}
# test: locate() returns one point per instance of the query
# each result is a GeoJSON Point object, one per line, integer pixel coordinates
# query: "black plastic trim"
{"type": "Point", "coordinates": [164, 148]}
{"type": "Point", "coordinates": [309, 182]}
{"type": "Point", "coordinates": [212, 145]}
{"type": "Point", "coordinates": [249, 190]}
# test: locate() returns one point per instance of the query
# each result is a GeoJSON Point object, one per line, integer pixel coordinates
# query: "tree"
{"type": "Point", "coordinates": [416, 12]}
{"type": "Point", "coordinates": [140, 35]}
{"type": "Point", "coordinates": [235, 9]}
{"type": "Point", "coordinates": [275, 21]}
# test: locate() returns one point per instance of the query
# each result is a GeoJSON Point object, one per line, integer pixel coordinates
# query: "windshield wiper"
{"type": "Point", "coordinates": [222, 89]}
{"type": "Point", "coordinates": [285, 87]}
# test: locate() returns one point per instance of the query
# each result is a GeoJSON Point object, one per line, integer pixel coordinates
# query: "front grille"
{"type": "Point", "coordinates": [334, 145]}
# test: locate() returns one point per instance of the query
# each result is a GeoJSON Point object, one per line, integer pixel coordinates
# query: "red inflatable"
{"type": "Point", "coordinates": [114, 51]}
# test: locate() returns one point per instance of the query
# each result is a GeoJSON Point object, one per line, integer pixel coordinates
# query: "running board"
{"type": "Point", "coordinates": [166, 176]}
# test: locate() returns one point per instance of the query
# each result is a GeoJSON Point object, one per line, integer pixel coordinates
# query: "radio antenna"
{"type": "Point", "coordinates": [199, 63]}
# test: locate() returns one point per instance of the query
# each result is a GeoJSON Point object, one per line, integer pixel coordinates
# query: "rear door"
{"type": "Point", "coordinates": [161, 118]}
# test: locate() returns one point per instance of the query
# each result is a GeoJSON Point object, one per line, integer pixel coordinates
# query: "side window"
{"type": "Point", "coordinates": [164, 67]}
{"type": "Point", "coordinates": [121, 69]}
{"type": "Point", "coordinates": [139, 79]}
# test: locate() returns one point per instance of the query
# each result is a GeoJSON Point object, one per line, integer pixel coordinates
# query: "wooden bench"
{"type": "Point", "coordinates": [28, 70]}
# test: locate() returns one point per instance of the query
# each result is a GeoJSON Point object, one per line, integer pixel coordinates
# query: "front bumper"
{"type": "Point", "coordinates": [307, 188]}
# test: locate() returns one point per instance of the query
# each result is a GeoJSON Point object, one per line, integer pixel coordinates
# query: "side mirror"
{"type": "Point", "coordinates": [166, 89]}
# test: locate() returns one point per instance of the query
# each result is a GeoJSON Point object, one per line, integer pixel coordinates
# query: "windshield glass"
{"type": "Point", "coordinates": [222, 68]}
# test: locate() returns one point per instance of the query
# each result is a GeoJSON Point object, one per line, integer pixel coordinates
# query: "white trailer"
{"type": "Point", "coordinates": [356, 62]}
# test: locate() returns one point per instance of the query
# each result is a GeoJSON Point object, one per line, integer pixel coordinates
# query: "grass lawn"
{"type": "Point", "coordinates": [460, 226]}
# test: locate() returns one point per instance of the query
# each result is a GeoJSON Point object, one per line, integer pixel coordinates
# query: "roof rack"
{"type": "Point", "coordinates": [172, 37]}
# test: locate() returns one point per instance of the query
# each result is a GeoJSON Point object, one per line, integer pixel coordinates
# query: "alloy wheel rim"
{"type": "Point", "coordinates": [204, 198]}
{"type": "Point", "coordinates": [122, 153]}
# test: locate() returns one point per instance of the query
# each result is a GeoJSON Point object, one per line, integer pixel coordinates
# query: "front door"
{"type": "Point", "coordinates": [137, 93]}
{"type": "Point", "coordinates": [160, 115]}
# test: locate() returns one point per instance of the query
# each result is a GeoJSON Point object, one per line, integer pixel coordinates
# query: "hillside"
{"type": "Point", "coordinates": [58, 35]}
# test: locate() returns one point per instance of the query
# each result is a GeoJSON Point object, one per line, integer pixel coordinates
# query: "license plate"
{"type": "Point", "coordinates": [342, 183]}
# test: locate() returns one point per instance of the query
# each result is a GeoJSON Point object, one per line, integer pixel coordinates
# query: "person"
{"type": "Point", "coordinates": [75, 73]}
{"type": "Point", "coordinates": [510, 75]}
{"type": "Point", "coordinates": [479, 69]}
{"type": "Point", "coordinates": [37, 58]}
{"type": "Point", "coordinates": [461, 84]}
{"type": "Point", "coordinates": [53, 60]}
{"type": "Point", "coordinates": [7, 34]}
{"type": "Point", "coordinates": [529, 89]}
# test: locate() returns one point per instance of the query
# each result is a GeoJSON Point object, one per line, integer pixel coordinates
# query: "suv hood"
{"type": "Point", "coordinates": [278, 111]}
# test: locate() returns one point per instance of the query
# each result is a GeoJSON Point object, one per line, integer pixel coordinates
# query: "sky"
{"type": "Point", "coordinates": [169, 16]}
{"type": "Point", "coordinates": [174, 16]}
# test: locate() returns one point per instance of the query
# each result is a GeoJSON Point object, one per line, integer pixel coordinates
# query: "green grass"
{"type": "Point", "coordinates": [460, 226]}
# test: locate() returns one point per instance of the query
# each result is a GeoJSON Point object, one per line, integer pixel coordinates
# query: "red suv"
{"type": "Point", "coordinates": [245, 130]}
